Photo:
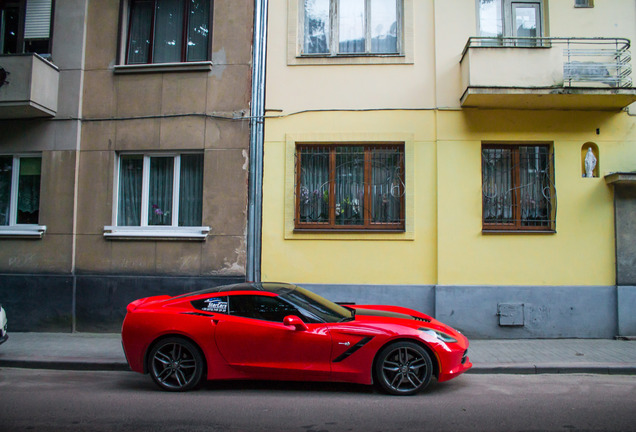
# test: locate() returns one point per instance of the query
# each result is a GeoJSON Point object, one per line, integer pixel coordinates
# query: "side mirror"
{"type": "Point", "coordinates": [294, 321]}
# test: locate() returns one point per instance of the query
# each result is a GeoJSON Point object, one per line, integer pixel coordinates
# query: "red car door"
{"type": "Point", "coordinates": [253, 338]}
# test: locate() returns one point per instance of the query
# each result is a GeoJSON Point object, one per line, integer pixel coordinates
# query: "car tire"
{"type": "Point", "coordinates": [176, 364]}
{"type": "Point", "coordinates": [403, 368]}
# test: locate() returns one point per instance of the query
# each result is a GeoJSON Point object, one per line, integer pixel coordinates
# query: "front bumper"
{"type": "Point", "coordinates": [460, 364]}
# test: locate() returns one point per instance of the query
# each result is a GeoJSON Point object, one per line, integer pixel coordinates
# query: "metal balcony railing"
{"type": "Point", "coordinates": [600, 62]}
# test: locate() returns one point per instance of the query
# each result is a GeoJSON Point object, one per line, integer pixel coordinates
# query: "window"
{"type": "Point", "coordinates": [160, 190]}
{"type": "Point", "coordinates": [25, 26]}
{"type": "Point", "coordinates": [168, 31]}
{"type": "Point", "coordinates": [351, 27]}
{"type": "Point", "coordinates": [213, 304]}
{"type": "Point", "coordinates": [20, 190]}
{"type": "Point", "coordinates": [261, 307]}
{"type": "Point", "coordinates": [510, 18]}
{"type": "Point", "coordinates": [518, 187]}
{"type": "Point", "coordinates": [350, 187]}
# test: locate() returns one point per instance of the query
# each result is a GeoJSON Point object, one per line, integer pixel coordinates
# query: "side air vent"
{"type": "Point", "coordinates": [421, 319]}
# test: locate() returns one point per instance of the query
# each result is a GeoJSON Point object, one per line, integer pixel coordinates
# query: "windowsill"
{"type": "Point", "coordinates": [517, 231]}
{"type": "Point", "coordinates": [156, 233]}
{"type": "Point", "coordinates": [347, 230]}
{"type": "Point", "coordinates": [23, 231]}
{"type": "Point", "coordinates": [163, 67]}
{"type": "Point", "coordinates": [349, 59]}
{"type": "Point", "coordinates": [350, 55]}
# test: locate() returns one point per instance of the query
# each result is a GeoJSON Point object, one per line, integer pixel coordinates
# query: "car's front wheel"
{"type": "Point", "coordinates": [176, 364]}
{"type": "Point", "coordinates": [403, 368]}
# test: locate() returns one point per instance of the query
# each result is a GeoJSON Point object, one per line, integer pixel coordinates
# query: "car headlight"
{"type": "Point", "coordinates": [439, 335]}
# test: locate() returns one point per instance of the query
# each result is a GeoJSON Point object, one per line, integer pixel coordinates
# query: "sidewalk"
{"type": "Point", "coordinates": [96, 351]}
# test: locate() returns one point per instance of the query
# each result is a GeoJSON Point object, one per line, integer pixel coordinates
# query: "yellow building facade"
{"type": "Point", "coordinates": [467, 83]}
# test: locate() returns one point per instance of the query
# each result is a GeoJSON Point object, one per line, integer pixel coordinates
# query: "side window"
{"type": "Point", "coordinates": [213, 304]}
{"type": "Point", "coordinates": [261, 307]}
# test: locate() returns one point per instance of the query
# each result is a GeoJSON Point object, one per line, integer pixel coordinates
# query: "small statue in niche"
{"type": "Point", "coordinates": [590, 163]}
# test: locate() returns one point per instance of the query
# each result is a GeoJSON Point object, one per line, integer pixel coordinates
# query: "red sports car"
{"type": "Point", "coordinates": [276, 331]}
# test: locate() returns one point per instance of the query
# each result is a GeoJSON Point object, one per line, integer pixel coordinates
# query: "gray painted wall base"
{"type": "Point", "coordinates": [418, 297]}
{"type": "Point", "coordinates": [626, 296]}
{"type": "Point", "coordinates": [97, 303]}
{"type": "Point", "coordinates": [546, 311]}
{"type": "Point", "coordinates": [49, 303]}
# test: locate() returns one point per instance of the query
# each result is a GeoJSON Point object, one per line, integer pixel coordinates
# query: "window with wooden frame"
{"type": "Point", "coordinates": [350, 187]}
{"type": "Point", "coordinates": [518, 188]}
{"type": "Point", "coordinates": [168, 31]}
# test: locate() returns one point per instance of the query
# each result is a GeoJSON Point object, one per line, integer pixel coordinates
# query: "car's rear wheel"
{"type": "Point", "coordinates": [403, 368]}
{"type": "Point", "coordinates": [176, 364]}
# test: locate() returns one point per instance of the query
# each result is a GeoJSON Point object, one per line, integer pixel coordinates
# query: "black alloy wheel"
{"type": "Point", "coordinates": [403, 368]}
{"type": "Point", "coordinates": [176, 364]}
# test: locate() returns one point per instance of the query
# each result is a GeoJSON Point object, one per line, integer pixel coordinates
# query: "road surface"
{"type": "Point", "coordinates": [44, 400]}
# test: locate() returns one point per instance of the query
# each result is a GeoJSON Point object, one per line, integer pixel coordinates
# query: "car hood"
{"type": "Point", "coordinates": [382, 313]}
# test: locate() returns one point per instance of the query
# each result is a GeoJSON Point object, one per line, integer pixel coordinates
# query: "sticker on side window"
{"type": "Point", "coordinates": [214, 305]}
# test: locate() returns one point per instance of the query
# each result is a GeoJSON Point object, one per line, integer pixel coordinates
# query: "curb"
{"type": "Point", "coordinates": [66, 365]}
{"type": "Point", "coordinates": [483, 369]}
{"type": "Point", "coordinates": [529, 369]}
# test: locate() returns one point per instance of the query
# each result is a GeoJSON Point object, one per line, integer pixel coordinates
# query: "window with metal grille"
{"type": "Point", "coordinates": [350, 187]}
{"type": "Point", "coordinates": [518, 188]}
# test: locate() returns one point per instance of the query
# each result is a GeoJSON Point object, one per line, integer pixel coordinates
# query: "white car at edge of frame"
{"type": "Point", "coordinates": [3, 326]}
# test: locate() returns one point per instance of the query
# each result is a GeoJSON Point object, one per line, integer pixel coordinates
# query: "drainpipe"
{"type": "Point", "coordinates": [255, 197]}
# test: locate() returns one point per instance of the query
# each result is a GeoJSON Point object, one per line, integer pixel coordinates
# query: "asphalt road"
{"type": "Point", "coordinates": [44, 400]}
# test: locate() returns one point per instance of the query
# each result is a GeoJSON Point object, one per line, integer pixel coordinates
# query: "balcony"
{"type": "Point", "coordinates": [28, 86]}
{"type": "Point", "coordinates": [547, 73]}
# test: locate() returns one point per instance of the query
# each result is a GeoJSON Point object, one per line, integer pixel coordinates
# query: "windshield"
{"type": "Point", "coordinates": [320, 307]}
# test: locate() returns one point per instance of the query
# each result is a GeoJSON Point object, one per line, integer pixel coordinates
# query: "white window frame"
{"type": "Point", "coordinates": [155, 232]}
{"type": "Point", "coordinates": [506, 12]}
{"type": "Point", "coordinates": [14, 229]}
{"type": "Point", "coordinates": [334, 29]}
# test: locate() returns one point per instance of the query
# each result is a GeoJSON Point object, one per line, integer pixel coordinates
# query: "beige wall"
{"type": "Point", "coordinates": [126, 99]}
{"type": "Point", "coordinates": [57, 141]}
{"type": "Point", "coordinates": [350, 86]}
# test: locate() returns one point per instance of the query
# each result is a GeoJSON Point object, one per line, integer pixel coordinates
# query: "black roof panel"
{"type": "Point", "coordinates": [273, 287]}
